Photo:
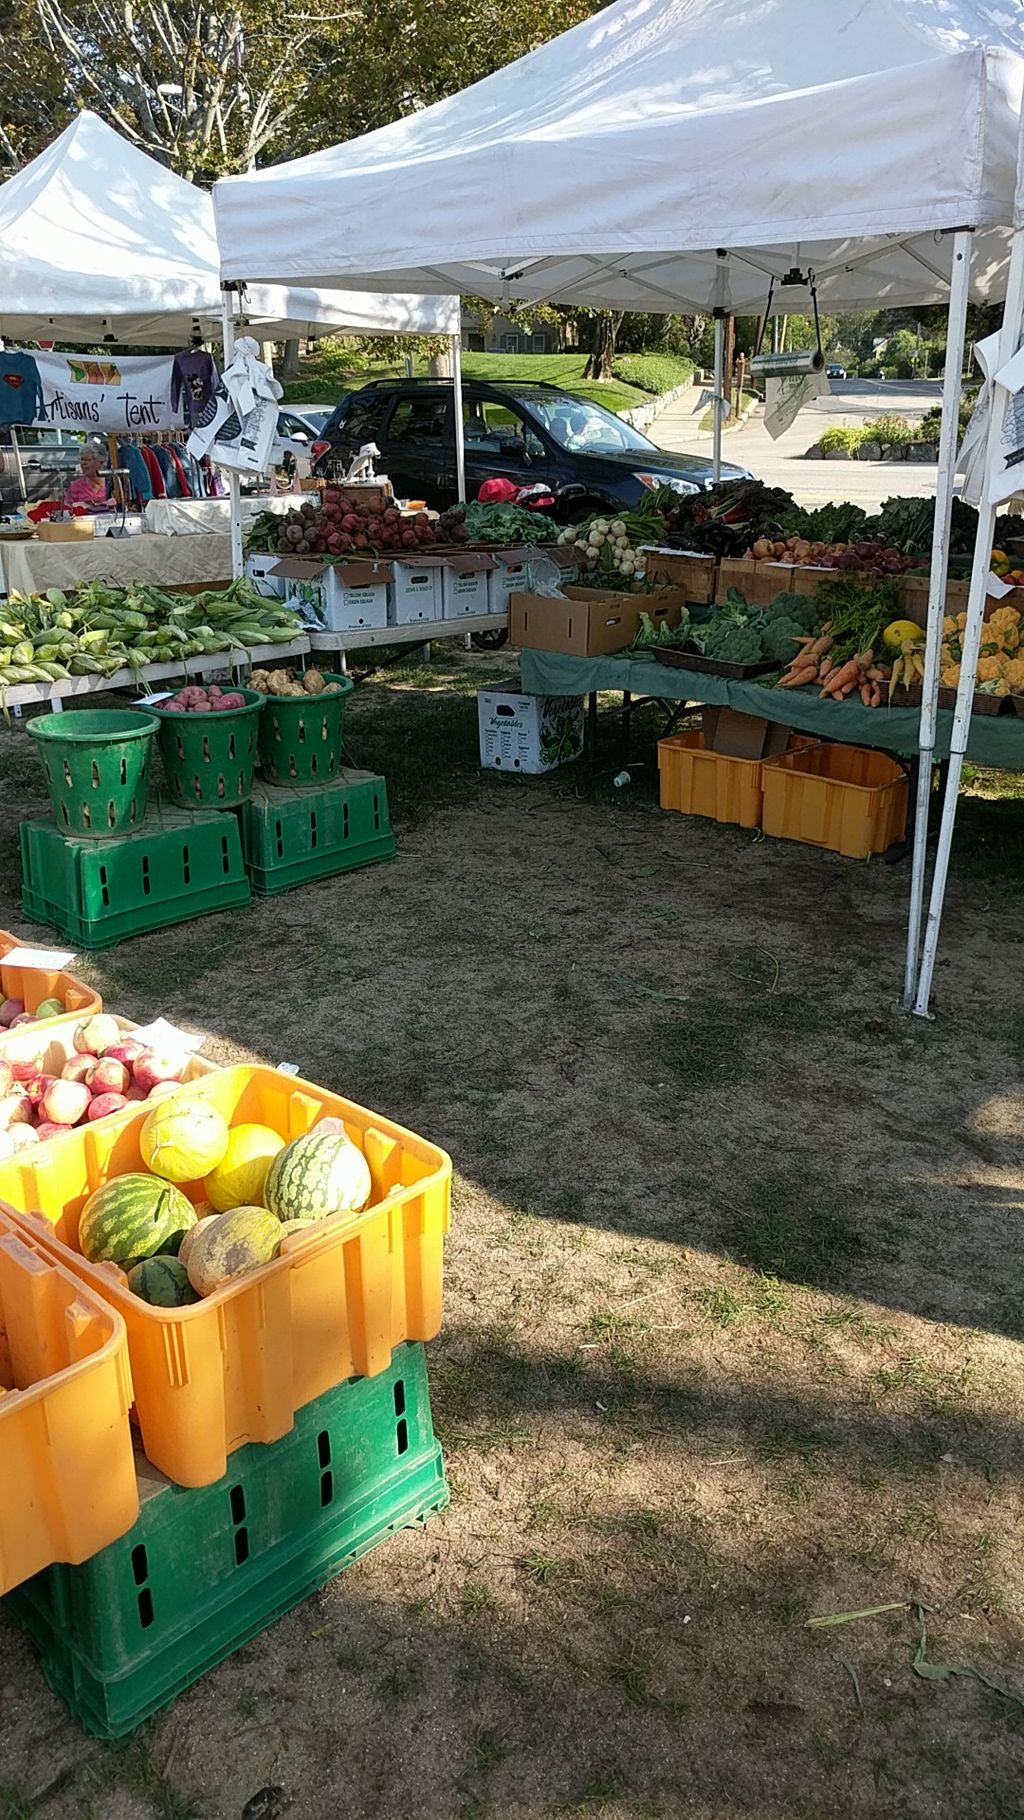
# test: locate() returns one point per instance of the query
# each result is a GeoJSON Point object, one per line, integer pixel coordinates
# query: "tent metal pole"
{"type": "Point", "coordinates": [949, 437]}
{"type": "Point", "coordinates": [460, 428]}
{"type": "Point", "coordinates": [1009, 337]}
{"type": "Point", "coordinates": [234, 484]}
{"type": "Point", "coordinates": [716, 449]}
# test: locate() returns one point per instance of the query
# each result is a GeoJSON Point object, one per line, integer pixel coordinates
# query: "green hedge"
{"type": "Point", "coordinates": [653, 373]}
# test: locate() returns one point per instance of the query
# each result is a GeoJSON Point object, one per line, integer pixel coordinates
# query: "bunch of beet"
{"type": "Point", "coordinates": [343, 527]}
{"type": "Point", "coordinates": [108, 1071]}
{"type": "Point", "coordinates": [197, 700]}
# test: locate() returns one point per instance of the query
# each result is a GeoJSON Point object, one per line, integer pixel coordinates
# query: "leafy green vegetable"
{"type": "Point", "coordinates": [778, 638]}
{"type": "Point", "coordinates": [836, 523]}
{"type": "Point", "coordinates": [803, 608]}
{"type": "Point", "coordinates": [509, 524]}
{"type": "Point", "coordinates": [728, 641]}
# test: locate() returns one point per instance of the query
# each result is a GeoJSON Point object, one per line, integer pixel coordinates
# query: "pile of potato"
{"type": "Point", "coordinates": [285, 682]}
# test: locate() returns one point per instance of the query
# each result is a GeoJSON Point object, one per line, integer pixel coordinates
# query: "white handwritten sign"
{"type": "Point", "coordinates": [107, 392]}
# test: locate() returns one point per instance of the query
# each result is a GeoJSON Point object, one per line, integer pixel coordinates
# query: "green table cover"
{"type": "Point", "coordinates": [994, 739]}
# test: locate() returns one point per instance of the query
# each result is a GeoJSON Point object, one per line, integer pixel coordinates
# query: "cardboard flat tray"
{"type": "Point", "coordinates": [682, 658]}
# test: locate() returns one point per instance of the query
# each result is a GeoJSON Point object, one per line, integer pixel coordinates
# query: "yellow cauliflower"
{"type": "Point", "coordinates": [1001, 688]}
{"type": "Point", "coordinates": [1014, 674]}
{"type": "Point", "coordinates": [988, 669]}
{"type": "Point", "coordinates": [961, 620]}
{"type": "Point", "coordinates": [1004, 616]}
{"type": "Point", "coordinates": [948, 625]}
{"type": "Point", "coordinates": [951, 675]}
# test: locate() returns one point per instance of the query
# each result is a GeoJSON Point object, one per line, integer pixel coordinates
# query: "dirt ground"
{"type": "Point", "coordinates": [733, 1330]}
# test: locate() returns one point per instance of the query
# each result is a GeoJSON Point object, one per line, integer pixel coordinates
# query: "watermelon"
{"type": "Point", "coordinates": [318, 1174]}
{"type": "Point", "coordinates": [232, 1245]}
{"type": "Point", "coordinates": [132, 1217]}
{"type": "Point", "coordinates": [162, 1282]}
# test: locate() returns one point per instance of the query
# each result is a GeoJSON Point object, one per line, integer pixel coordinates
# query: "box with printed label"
{"type": "Point", "coordinates": [465, 585]}
{"type": "Point", "coordinates": [513, 572]}
{"type": "Point", "coordinates": [259, 569]}
{"type": "Point", "coordinates": [528, 734]}
{"type": "Point", "coordinates": [416, 591]}
{"type": "Point", "coordinates": [336, 597]}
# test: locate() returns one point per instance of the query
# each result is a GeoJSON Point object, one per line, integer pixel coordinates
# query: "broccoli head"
{"type": "Point", "coordinates": [778, 638]}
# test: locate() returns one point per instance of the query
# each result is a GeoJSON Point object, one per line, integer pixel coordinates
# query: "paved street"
{"type": "Point", "coordinates": [781, 463]}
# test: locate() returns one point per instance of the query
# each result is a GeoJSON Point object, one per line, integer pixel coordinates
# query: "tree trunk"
{"type": "Point", "coordinates": [439, 366]}
{"type": "Point", "coordinates": [290, 361]}
{"type": "Point", "coordinates": [602, 345]}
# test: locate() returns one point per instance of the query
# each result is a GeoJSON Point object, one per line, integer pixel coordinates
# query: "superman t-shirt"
{"type": "Point", "coordinates": [21, 391]}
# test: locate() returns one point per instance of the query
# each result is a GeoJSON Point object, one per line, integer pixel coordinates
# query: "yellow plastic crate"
{"type": "Point", "coordinates": [34, 984]}
{"type": "Point", "coordinates": [847, 798]}
{"type": "Point", "coordinates": [695, 781]}
{"type": "Point", "coordinates": [68, 1484]}
{"type": "Point", "coordinates": [236, 1366]}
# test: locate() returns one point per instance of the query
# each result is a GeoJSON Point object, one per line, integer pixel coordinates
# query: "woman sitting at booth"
{"type": "Point", "coordinates": [88, 488]}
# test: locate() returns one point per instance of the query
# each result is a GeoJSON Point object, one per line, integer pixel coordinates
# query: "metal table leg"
{"type": "Point", "coordinates": [627, 723]}
{"type": "Point", "coordinates": [590, 734]}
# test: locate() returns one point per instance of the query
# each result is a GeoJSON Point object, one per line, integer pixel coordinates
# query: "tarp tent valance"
{"type": "Point", "coordinates": [98, 239]}
{"type": "Point", "coordinates": [607, 167]}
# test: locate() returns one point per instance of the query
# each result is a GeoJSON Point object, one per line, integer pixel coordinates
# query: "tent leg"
{"type": "Point", "coordinates": [234, 484]}
{"type": "Point", "coordinates": [716, 450]}
{"type": "Point", "coordinates": [959, 292]}
{"type": "Point", "coordinates": [460, 428]}
{"type": "Point", "coordinates": [1009, 337]}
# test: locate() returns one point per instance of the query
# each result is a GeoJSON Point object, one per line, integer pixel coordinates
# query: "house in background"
{"type": "Point", "coordinates": [500, 336]}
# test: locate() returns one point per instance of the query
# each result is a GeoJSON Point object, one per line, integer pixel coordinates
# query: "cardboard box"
{"type": "Point", "coordinates": [588, 622]}
{"type": "Point", "coordinates": [416, 590]}
{"type": "Point", "coordinates": [465, 585]}
{"type": "Point", "coordinates": [512, 571]}
{"type": "Point", "coordinates": [697, 575]}
{"type": "Point", "coordinates": [528, 734]}
{"type": "Point", "coordinates": [260, 571]}
{"type": "Point", "coordinates": [738, 735]}
{"type": "Point", "coordinates": [336, 597]}
{"type": "Point", "coordinates": [66, 530]}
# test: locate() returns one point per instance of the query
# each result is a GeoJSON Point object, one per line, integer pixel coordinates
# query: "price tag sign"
{"type": "Point", "coordinates": [162, 1035]}
{"type": "Point", "coordinates": [50, 960]}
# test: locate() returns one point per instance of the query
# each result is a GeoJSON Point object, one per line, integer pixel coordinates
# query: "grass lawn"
{"type": "Point", "coordinates": [734, 1328]}
{"type": "Point", "coordinates": [564, 370]}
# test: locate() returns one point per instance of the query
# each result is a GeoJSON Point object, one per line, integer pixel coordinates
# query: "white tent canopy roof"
{"type": "Point", "coordinates": [607, 167]}
{"type": "Point", "coordinates": [97, 238]}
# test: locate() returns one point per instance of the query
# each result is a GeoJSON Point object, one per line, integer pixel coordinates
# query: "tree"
{"type": "Point", "coordinates": [605, 326]}
{"type": "Point", "coordinates": [204, 87]}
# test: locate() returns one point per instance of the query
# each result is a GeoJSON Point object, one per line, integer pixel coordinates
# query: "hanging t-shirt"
{"type": "Point", "coordinates": [21, 391]}
{"type": "Point", "coordinates": [193, 379]}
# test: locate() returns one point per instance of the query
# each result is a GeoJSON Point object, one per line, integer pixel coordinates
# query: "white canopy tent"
{"type": "Point", "coordinates": [100, 242]}
{"type": "Point", "coordinates": [678, 155]}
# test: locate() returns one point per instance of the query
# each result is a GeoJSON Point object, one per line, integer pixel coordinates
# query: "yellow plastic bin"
{"type": "Point", "coordinates": [848, 798]}
{"type": "Point", "coordinates": [236, 1366]}
{"type": "Point", "coordinates": [695, 781]}
{"type": "Point", "coordinates": [67, 1484]}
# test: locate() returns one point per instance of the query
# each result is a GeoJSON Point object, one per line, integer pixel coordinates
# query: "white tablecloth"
{"type": "Point", "coordinates": [169, 562]}
{"type": "Point", "coordinates": [183, 517]}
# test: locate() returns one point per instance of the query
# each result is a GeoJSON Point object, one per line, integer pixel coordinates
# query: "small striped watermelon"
{"type": "Point", "coordinates": [318, 1174]}
{"type": "Point", "coordinates": [132, 1217]}
{"type": "Point", "coordinates": [162, 1282]}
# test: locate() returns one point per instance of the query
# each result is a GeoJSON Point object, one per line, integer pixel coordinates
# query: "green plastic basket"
{"type": "Point", "coordinates": [97, 768]}
{"type": "Point", "coordinates": [300, 739]}
{"type": "Point", "coordinates": [209, 758]}
{"type": "Point", "coordinates": [203, 1571]}
{"type": "Point", "coordinates": [291, 837]}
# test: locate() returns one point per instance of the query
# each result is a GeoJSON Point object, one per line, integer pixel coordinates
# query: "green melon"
{"type": "Point", "coordinates": [132, 1217]}
{"type": "Point", "coordinates": [232, 1245]}
{"type": "Point", "coordinates": [317, 1175]}
{"type": "Point", "coordinates": [162, 1282]}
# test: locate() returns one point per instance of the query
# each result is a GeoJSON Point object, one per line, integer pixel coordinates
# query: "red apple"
{"type": "Point", "coordinates": [48, 1130]}
{"type": "Point", "coordinates": [6, 1077]}
{"type": "Point", "coordinates": [7, 1144]}
{"type": "Point", "coordinates": [103, 1103]}
{"type": "Point", "coordinates": [127, 1052]}
{"type": "Point", "coordinates": [15, 1109]}
{"type": "Point", "coordinates": [77, 1067]}
{"type": "Point", "coordinates": [107, 1076]}
{"type": "Point", "coordinates": [66, 1102]}
{"type": "Point", "coordinates": [152, 1068]}
{"type": "Point", "coordinates": [135, 1093]}
{"type": "Point", "coordinates": [10, 1009]}
{"type": "Point", "coordinates": [25, 1055]}
{"type": "Point", "coordinates": [23, 1136]}
{"type": "Point", "coordinates": [96, 1034]}
{"type": "Point", "coordinates": [38, 1087]}
{"type": "Point", "coordinates": [23, 1017]}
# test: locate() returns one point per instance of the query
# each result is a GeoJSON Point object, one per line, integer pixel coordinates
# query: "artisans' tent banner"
{"type": "Point", "coordinates": [104, 392]}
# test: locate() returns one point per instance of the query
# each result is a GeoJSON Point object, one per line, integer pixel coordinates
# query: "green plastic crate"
{"type": "Point", "coordinates": [202, 1572]}
{"type": "Point", "coordinates": [290, 837]}
{"type": "Point", "coordinates": [95, 893]}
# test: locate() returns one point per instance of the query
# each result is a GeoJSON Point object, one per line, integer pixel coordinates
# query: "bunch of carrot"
{"type": "Point", "coordinates": [816, 663]}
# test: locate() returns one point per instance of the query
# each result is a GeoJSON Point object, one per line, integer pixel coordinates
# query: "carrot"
{"type": "Point", "coordinates": [797, 678]}
{"type": "Point", "coordinates": [876, 675]}
{"type": "Point", "coordinates": [865, 694]}
{"type": "Point", "coordinates": [824, 668]}
{"type": "Point", "coordinates": [848, 673]}
{"type": "Point", "coordinates": [876, 697]}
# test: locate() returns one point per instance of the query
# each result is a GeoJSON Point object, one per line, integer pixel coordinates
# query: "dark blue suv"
{"type": "Point", "coordinates": [514, 430]}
